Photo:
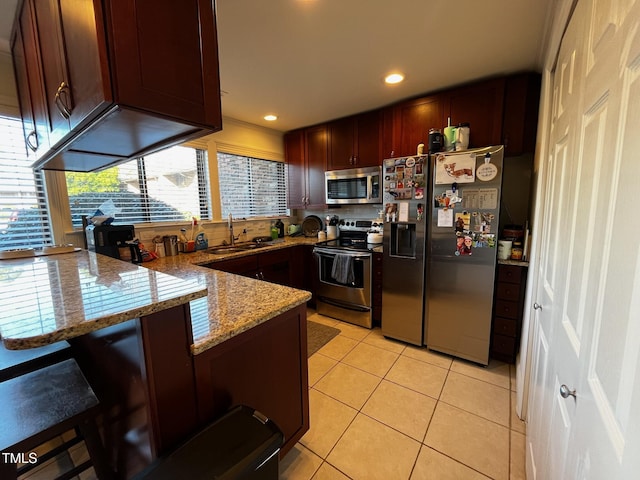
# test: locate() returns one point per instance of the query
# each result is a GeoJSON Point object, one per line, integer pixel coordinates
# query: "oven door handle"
{"type": "Point", "coordinates": [333, 253]}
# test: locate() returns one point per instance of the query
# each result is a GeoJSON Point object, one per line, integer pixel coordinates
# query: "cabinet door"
{"type": "Point", "coordinates": [86, 58]}
{"type": "Point", "coordinates": [296, 172]}
{"type": "Point", "coordinates": [246, 266]}
{"type": "Point", "coordinates": [481, 106]}
{"type": "Point", "coordinates": [275, 267]}
{"type": "Point", "coordinates": [316, 155]}
{"type": "Point", "coordinates": [520, 123]}
{"type": "Point", "coordinates": [76, 74]}
{"type": "Point", "coordinates": [412, 121]}
{"type": "Point", "coordinates": [342, 143]}
{"type": "Point", "coordinates": [57, 90]}
{"type": "Point", "coordinates": [29, 84]}
{"type": "Point", "coordinates": [368, 140]}
{"type": "Point", "coordinates": [158, 71]}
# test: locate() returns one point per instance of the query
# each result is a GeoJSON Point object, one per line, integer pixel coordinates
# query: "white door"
{"type": "Point", "coordinates": [587, 332]}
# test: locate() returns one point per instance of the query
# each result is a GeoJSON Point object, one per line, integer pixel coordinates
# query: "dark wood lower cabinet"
{"type": "Point", "coordinates": [264, 368]}
{"type": "Point", "coordinates": [156, 394]}
{"type": "Point", "coordinates": [506, 327]}
{"type": "Point", "coordinates": [376, 286]}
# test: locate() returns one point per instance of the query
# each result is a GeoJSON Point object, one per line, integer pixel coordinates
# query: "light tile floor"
{"type": "Point", "coordinates": [381, 409]}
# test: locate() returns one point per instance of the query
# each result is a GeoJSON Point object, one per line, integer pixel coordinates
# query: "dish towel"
{"type": "Point", "coordinates": [342, 270]}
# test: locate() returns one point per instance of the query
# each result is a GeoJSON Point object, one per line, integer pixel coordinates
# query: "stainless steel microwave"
{"type": "Point", "coordinates": [354, 186]}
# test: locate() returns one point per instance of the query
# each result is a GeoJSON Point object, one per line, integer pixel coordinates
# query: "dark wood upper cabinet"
{"type": "Point", "coordinates": [520, 121]}
{"type": "Point", "coordinates": [294, 154]}
{"type": "Point", "coordinates": [26, 59]}
{"type": "Point", "coordinates": [481, 106]}
{"type": "Point", "coordinates": [499, 111]}
{"type": "Point", "coordinates": [306, 152]}
{"type": "Point", "coordinates": [121, 78]}
{"type": "Point", "coordinates": [411, 123]}
{"type": "Point", "coordinates": [355, 141]}
{"type": "Point", "coordinates": [317, 151]}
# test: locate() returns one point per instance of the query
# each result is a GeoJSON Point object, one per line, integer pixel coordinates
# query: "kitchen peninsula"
{"type": "Point", "coordinates": [167, 349]}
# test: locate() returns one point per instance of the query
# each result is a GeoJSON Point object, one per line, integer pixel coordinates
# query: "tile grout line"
{"type": "Point", "coordinates": [438, 400]}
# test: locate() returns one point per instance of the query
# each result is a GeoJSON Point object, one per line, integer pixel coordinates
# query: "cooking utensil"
{"type": "Point", "coordinates": [311, 225]}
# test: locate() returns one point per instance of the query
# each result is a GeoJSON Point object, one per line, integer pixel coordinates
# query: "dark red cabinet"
{"type": "Point", "coordinates": [306, 152]}
{"type": "Point", "coordinates": [120, 79]}
{"type": "Point", "coordinates": [355, 141]}
{"type": "Point", "coordinates": [507, 312]}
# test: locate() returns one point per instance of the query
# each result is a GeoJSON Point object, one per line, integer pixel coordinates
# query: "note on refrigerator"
{"type": "Point", "coordinates": [403, 211]}
{"type": "Point", "coordinates": [445, 217]}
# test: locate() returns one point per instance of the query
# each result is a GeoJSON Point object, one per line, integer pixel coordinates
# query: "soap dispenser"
{"type": "Point", "coordinates": [280, 226]}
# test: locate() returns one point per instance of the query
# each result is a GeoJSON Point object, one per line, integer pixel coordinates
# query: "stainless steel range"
{"type": "Point", "coordinates": [345, 273]}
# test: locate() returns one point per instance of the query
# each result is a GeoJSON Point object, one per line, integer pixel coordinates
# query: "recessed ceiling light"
{"type": "Point", "coordinates": [270, 117]}
{"type": "Point", "coordinates": [394, 78]}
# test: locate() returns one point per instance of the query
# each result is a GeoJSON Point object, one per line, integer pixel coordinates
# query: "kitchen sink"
{"type": "Point", "coordinates": [239, 247]}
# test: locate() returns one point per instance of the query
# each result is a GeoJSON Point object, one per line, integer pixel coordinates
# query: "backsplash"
{"type": "Point", "coordinates": [217, 231]}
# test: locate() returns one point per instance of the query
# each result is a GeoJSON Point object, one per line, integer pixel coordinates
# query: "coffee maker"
{"type": "Point", "coordinates": [113, 240]}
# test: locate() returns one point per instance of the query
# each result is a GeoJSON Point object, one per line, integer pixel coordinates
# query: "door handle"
{"type": "Point", "coordinates": [30, 144]}
{"type": "Point", "coordinates": [537, 306]}
{"type": "Point", "coordinates": [566, 392]}
{"type": "Point", "coordinates": [65, 111]}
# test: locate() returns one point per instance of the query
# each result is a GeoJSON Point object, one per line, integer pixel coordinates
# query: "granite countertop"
{"type": "Point", "coordinates": [234, 303]}
{"type": "Point", "coordinates": [45, 299]}
{"type": "Point", "coordinates": [51, 298]}
{"type": "Point", "coordinates": [517, 263]}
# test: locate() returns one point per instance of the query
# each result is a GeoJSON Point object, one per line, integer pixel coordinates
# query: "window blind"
{"type": "Point", "coordinates": [251, 187]}
{"type": "Point", "coordinates": [170, 185]}
{"type": "Point", "coordinates": [24, 220]}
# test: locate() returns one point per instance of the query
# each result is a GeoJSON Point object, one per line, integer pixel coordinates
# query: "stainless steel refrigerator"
{"type": "Point", "coordinates": [406, 204]}
{"type": "Point", "coordinates": [462, 251]}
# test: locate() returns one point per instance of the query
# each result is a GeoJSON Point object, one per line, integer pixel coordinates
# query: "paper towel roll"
{"type": "Point", "coordinates": [504, 249]}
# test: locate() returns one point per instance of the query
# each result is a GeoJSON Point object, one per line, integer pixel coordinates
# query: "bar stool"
{"type": "Point", "coordinates": [14, 363]}
{"type": "Point", "coordinates": [40, 405]}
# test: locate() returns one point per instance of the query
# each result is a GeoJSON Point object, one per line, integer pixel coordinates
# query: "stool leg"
{"type": "Point", "coordinates": [96, 450]}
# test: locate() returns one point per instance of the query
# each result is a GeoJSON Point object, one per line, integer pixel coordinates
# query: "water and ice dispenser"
{"type": "Point", "coordinates": [402, 240]}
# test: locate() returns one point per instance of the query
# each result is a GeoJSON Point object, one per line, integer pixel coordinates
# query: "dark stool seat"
{"type": "Point", "coordinates": [43, 404]}
{"type": "Point", "coordinates": [14, 363]}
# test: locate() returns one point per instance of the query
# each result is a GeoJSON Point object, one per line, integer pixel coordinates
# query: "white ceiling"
{"type": "Point", "coordinates": [309, 61]}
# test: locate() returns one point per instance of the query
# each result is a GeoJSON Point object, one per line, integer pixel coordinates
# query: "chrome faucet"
{"type": "Point", "coordinates": [231, 237]}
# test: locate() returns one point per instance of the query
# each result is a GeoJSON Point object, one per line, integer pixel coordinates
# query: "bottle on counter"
{"type": "Point", "coordinates": [280, 226]}
{"type": "Point", "coordinates": [274, 231]}
{"type": "Point", "coordinates": [200, 236]}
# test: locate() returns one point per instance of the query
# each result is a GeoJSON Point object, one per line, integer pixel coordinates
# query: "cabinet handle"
{"type": "Point", "coordinates": [29, 143]}
{"type": "Point", "coordinates": [64, 110]}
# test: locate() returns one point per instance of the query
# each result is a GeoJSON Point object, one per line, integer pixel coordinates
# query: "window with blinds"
{"type": "Point", "coordinates": [24, 220]}
{"type": "Point", "coordinates": [251, 187]}
{"type": "Point", "coordinates": [167, 186]}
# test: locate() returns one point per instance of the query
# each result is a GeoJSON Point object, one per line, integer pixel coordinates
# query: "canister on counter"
{"type": "Point", "coordinates": [516, 251]}
{"type": "Point", "coordinates": [504, 249]}
{"type": "Point", "coordinates": [170, 245]}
